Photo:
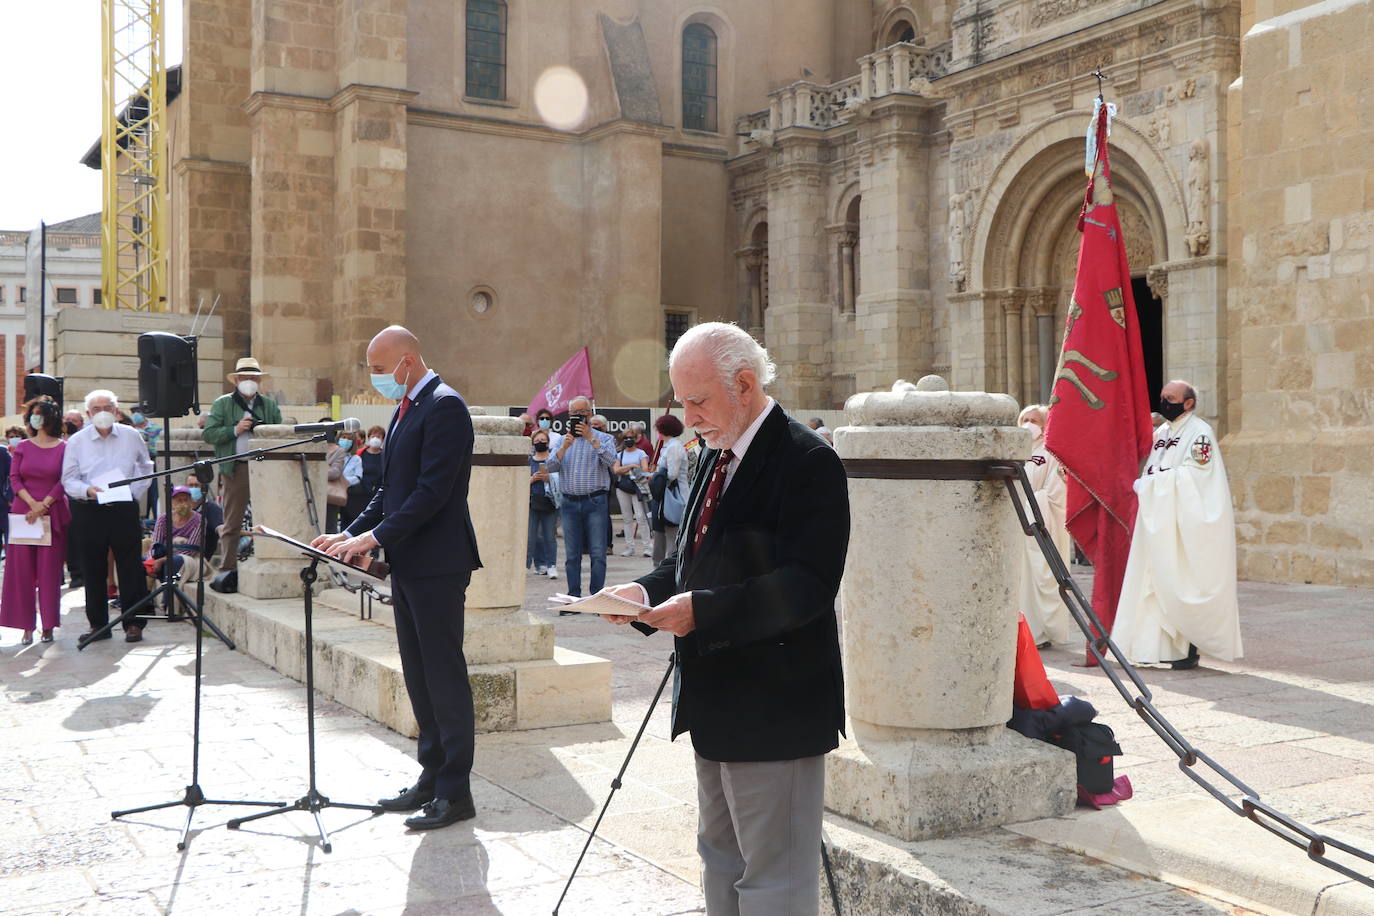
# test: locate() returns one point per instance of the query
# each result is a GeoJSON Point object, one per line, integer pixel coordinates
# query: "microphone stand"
{"type": "Point", "coordinates": [194, 796]}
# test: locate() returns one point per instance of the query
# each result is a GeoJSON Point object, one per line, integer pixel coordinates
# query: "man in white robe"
{"type": "Point", "coordinates": [1178, 598]}
{"type": "Point", "coordinates": [1045, 612]}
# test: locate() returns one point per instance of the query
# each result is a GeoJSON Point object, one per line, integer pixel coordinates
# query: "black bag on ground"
{"type": "Point", "coordinates": [1094, 744]}
{"type": "Point", "coordinates": [226, 582]}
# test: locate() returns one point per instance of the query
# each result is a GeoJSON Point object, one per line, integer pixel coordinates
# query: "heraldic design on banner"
{"type": "Point", "coordinates": [1099, 417]}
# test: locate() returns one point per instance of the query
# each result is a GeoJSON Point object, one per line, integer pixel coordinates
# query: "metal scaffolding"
{"type": "Point", "coordinates": [133, 156]}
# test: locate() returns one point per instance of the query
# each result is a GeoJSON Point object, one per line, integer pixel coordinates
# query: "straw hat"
{"type": "Point", "coordinates": [246, 367]}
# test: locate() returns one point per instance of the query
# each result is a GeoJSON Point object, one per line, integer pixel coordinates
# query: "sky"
{"type": "Point", "coordinates": [51, 70]}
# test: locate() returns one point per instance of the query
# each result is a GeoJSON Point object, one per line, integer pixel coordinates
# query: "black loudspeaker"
{"type": "Point", "coordinates": [166, 374]}
{"type": "Point", "coordinates": [36, 385]}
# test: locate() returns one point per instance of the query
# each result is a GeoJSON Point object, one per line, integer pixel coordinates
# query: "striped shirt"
{"type": "Point", "coordinates": [585, 468]}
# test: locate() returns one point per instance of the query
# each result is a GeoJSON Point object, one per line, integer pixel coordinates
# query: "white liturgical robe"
{"type": "Point", "coordinates": [1180, 582]}
{"type": "Point", "coordinates": [1045, 611]}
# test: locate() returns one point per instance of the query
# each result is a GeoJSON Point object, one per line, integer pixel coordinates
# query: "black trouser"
{"type": "Point", "coordinates": [114, 527]}
{"type": "Point", "coordinates": [429, 631]}
{"type": "Point", "coordinates": [74, 550]}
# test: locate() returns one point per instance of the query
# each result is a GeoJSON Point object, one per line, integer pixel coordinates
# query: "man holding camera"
{"type": "Point", "coordinates": [229, 430]}
{"type": "Point", "coordinates": [584, 459]}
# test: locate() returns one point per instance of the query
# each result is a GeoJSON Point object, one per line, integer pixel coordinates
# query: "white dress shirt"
{"type": "Point", "coordinates": [742, 444]}
{"type": "Point", "coordinates": [90, 455]}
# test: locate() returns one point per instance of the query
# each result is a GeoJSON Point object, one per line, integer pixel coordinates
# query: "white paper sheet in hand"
{"type": "Point", "coordinates": [601, 603]}
{"type": "Point", "coordinates": [21, 527]}
{"type": "Point", "coordinates": [108, 494]}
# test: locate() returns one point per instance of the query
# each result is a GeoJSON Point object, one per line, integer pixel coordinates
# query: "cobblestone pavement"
{"type": "Point", "coordinates": [109, 728]}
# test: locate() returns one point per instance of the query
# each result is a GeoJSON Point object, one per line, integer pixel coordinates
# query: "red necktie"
{"type": "Point", "coordinates": [713, 491]}
{"type": "Point", "coordinates": [401, 413]}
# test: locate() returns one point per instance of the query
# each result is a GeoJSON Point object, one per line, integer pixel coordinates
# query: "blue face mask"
{"type": "Point", "coordinates": [387, 386]}
{"type": "Point", "coordinates": [138, 417]}
{"type": "Point", "coordinates": [545, 423]}
{"type": "Point", "coordinates": [195, 494]}
{"type": "Point", "coordinates": [15, 440]}
{"type": "Point", "coordinates": [346, 444]}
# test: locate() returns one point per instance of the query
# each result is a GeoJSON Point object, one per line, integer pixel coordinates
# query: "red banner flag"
{"type": "Point", "coordinates": [573, 379]}
{"type": "Point", "coordinates": [1099, 417]}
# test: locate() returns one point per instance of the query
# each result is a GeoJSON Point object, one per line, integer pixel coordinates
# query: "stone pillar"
{"type": "Point", "coordinates": [847, 242]}
{"type": "Point", "coordinates": [1194, 294]}
{"type": "Point", "coordinates": [800, 313]}
{"type": "Point", "coordinates": [930, 624]}
{"type": "Point", "coordinates": [520, 679]}
{"type": "Point", "coordinates": [278, 501]}
{"type": "Point", "coordinates": [894, 319]}
{"type": "Point", "coordinates": [974, 337]}
{"type": "Point", "coordinates": [1011, 307]}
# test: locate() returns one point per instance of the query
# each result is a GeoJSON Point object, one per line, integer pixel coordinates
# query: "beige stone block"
{"type": "Point", "coordinates": [1316, 495]}
{"type": "Point", "coordinates": [1285, 533]}
{"type": "Point", "coordinates": [1297, 202]}
{"type": "Point", "coordinates": [569, 689]}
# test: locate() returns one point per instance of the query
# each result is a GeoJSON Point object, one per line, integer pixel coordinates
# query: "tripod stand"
{"type": "Point", "coordinates": [312, 801]}
{"type": "Point", "coordinates": [194, 796]}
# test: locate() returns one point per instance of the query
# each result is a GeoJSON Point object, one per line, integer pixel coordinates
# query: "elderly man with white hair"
{"type": "Point", "coordinates": [100, 452]}
{"type": "Point", "coordinates": [749, 593]}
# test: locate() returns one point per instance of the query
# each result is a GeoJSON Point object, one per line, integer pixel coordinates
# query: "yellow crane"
{"type": "Point", "coordinates": [133, 156]}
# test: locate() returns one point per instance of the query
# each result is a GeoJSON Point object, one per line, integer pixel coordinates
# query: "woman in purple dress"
{"type": "Point", "coordinates": [36, 478]}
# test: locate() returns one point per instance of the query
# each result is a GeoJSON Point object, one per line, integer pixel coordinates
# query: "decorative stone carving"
{"type": "Point", "coordinates": [958, 276]}
{"type": "Point", "coordinates": [1158, 278]}
{"type": "Point", "coordinates": [1199, 237]}
{"type": "Point", "coordinates": [1161, 129]}
{"type": "Point", "coordinates": [1188, 89]}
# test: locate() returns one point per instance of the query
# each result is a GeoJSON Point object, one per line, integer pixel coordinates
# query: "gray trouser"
{"type": "Point", "coordinates": [759, 836]}
{"type": "Point", "coordinates": [236, 496]}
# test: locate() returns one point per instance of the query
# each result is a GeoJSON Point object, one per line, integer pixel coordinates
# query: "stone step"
{"type": "Point", "coordinates": [358, 664]}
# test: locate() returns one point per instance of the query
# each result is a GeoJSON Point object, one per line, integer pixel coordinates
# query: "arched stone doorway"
{"type": "Point", "coordinates": [1028, 262]}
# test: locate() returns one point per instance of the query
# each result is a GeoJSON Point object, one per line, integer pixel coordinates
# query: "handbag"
{"type": "Point", "coordinates": [338, 492]}
{"type": "Point", "coordinates": [674, 503]}
{"type": "Point", "coordinates": [624, 482]}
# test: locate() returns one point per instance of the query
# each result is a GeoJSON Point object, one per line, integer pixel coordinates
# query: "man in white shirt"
{"type": "Point", "coordinates": [1178, 596]}
{"type": "Point", "coordinates": [100, 452]}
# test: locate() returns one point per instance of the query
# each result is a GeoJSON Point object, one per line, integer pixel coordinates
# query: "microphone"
{"type": "Point", "coordinates": [350, 425]}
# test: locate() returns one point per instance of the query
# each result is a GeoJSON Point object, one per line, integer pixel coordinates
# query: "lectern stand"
{"type": "Point", "coordinates": [313, 801]}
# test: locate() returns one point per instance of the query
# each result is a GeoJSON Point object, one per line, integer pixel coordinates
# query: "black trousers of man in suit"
{"type": "Point", "coordinates": [429, 632]}
{"type": "Point", "coordinates": [111, 528]}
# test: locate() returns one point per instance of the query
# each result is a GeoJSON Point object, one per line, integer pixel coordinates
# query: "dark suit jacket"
{"type": "Point", "coordinates": [760, 677]}
{"type": "Point", "coordinates": [420, 512]}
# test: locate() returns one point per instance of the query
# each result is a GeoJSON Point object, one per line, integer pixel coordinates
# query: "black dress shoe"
{"type": "Point", "coordinates": [412, 799]}
{"type": "Point", "coordinates": [443, 811]}
{"type": "Point", "coordinates": [87, 637]}
{"type": "Point", "coordinates": [133, 633]}
{"type": "Point", "coordinates": [1187, 663]}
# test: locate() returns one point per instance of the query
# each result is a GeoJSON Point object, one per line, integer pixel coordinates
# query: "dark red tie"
{"type": "Point", "coordinates": [713, 491]}
{"type": "Point", "coordinates": [401, 413]}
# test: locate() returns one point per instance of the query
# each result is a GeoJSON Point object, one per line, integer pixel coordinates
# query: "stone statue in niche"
{"type": "Point", "coordinates": [1198, 238]}
{"type": "Point", "coordinates": [957, 275]}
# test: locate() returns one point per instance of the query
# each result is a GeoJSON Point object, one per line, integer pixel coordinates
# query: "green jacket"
{"type": "Point", "coordinates": [224, 414]}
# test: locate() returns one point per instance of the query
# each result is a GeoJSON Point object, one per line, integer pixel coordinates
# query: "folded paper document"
{"type": "Point", "coordinates": [601, 603]}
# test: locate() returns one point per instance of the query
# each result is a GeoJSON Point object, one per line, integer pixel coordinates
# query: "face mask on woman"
{"type": "Point", "coordinates": [138, 417]}
{"type": "Point", "coordinates": [15, 440]}
{"type": "Point", "coordinates": [35, 421]}
{"type": "Point", "coordinates": [545, 423]}
{"type": "Point", "coordinates": [541, 446]}
{"type": "Point", "coordinates": [346, 444]}
{"type": "Point", "coordinates": [374, 442]}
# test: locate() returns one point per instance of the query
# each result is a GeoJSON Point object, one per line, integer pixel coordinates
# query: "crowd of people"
{"type": "Point", "coordinates": [572, 476]}
{"type": "Point", "coordinates": [55, 472]}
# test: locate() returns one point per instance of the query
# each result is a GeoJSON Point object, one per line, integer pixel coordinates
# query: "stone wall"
{"type": "Point", "coordinates": [1301, 323]}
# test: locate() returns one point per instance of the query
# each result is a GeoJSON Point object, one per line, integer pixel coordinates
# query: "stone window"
{"type": "Point", "coordinates": [95, 296]}
{"type": "Point", "coordinates": [699, 78]}
{"type": "Point", "coordinates": [486, 49]}
{"type": "Point", "coordinates": [2, 295]}
{"type": "Point", "coordinates": [675, 324]}
{"type": "Point", "coordinates": [66, 295]}
{"type": "Point", "coordinates": [23, 294]}
{"type": "Point", "coordinates": [901, 31]}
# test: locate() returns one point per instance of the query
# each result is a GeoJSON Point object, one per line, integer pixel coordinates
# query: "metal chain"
{"type": "Point", "coordinates": [1100, 646]}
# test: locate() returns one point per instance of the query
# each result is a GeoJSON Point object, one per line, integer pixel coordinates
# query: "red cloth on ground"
{"type": "Point", "coordinates": [1031, 687]}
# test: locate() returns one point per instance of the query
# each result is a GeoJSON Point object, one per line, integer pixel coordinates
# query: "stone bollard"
{"type": "Point", "coordinates": [520, 679]}
{"type": "Point", "coordinates": [930, 624]}
{"type": "Point", "coordinates": [278, 501]}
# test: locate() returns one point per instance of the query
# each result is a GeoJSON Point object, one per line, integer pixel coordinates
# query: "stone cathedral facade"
{"type": "Point", "coordinates": [878, 189]}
